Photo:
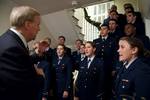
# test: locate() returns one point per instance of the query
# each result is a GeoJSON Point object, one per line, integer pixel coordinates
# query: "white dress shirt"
{"type": "Point", "coordinates": [91, 59]}
{"type": "Point", "coordinates": [130, 62]}
{"type": "Point", "coordinates": [20, 36]}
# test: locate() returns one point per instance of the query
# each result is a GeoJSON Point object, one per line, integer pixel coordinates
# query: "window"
{"type": "Point", "coordinates": [99, 18]}
{"type": "Point", "coordinates": [103, 17]}
{"type": "Point", "coordinates": [98, 13]}
{"type": "Point", "coordinates": [94, 19]}
{"type": "Point", "coordinates": [99, 9]}
{"type": "Point", "coordinates": [95, 10]}
{"type": "Point", "coordinates": [108, 5]}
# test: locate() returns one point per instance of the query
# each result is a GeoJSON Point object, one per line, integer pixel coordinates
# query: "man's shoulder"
{"type": "Point", "coordinates": [96, 40]}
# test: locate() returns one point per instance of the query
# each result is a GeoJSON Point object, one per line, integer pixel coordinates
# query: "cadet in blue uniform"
{"type": "Point", "coordinates": [61, 40]}
{"type": "Point", "coordinates": [114, 30]}
{"type": "Point", "coordinates": [63, 69]}
{"type": "Point", "coordinates": [131, 31]}
{"type": "Point", "coordinates": [76, 54]}
{"type": "Point", "coordinates": [89, 84]}
{"type": "Point", "coordinates": [42, 62]}
{"type": "Point", "coordinates": [133, 79]}
{"type": "Point", "coordinates": [106, 50]}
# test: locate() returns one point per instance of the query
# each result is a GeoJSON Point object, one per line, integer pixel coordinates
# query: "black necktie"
{"type": "Point", "coordinates": [88, 62]}
{"type": "Point", "coordinates": [124, 66]}
{"type": "Point", "coordinates": [103, 39]}
{"type": "Point", "coordinates": [82, 57]}
{"type": "Point", "coordinates": [59, 60]}
{"type": "Point", "coordinates": [27, 48]}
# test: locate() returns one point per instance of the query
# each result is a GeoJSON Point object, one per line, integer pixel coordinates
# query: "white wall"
{"type": "Point", "coordinates": [147, 24]}
{"type": "Point", "coordinates": [80, 15]}
{"type": "Point", "coordinates": [5, 9]}
{"type": "Point", "coordinates": [144, 7]}
{"type": "Point", "coordinates": [120, 4]}
{"type": "Point", "coordinates": [60, 23]}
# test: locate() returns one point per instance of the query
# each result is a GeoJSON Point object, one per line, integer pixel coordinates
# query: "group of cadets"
{"type": "Point", "coordinates": [95, 70]}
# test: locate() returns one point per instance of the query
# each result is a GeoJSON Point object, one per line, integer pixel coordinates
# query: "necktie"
{"type": "Point", "coordinates": [88, 62]}
{"type": "Point", "coordinates": [82, 57]}
{"type": "Point", "coordinates": [124, 65]}
{"type": "Point", "coordinates": [103, 39]}
{"type": "Point", "coordinates": [27, 48]}
{"type": "Point", "coordinates": [59, 60]}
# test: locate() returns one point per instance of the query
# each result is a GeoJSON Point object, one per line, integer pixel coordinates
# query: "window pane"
{"type": "Point", "coordinates": [108, 5]}
{"type": "Point", "coordinates": [94, 10]}
{"type": "Point", "coordinates": [99, 9]}
{"type": "Point", "coordinates": [103, 8]}
{"type": "Point", "coordinates": [103, 17]}
{"type": "Point", "coordinates": [98, 13]}
{"type": "Point", "coordinates": [94, 18]}
{"type": "Point", "coordinates": [99, 18]}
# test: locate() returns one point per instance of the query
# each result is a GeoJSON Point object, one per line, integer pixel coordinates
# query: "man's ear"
{"type": "Point", "coordinates": [27, 24]}
{"type": "Point", "coordinates": [134, 50]}
{"type": "Point", "coordinates": [135, 17]}
{"type": "Point", "coordinates": [94, 49]}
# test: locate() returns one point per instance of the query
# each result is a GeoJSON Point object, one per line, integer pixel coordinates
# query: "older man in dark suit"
{"type": "Point", "coordinates": [18, 78]}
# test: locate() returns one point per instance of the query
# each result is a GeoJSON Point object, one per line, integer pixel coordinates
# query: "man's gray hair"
{"type": "Point", "coordinates": [21, 14]}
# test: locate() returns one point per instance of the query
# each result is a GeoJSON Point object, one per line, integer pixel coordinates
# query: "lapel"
{"type": "Point", "coordinates": [100, 40]}
{"type": "Point", "coordinates": [118, 75]}
{"type": "Point", "coordinates": [79, 57]}
{"type": "Point", "coordinates": [77, 53]}
{"type": "Point", "coordinates": [85, 63]}
{"type": "Point", "coordinates": [131, 67]}
{"type": "Point", "coordinates": [108, 39]}
{"type": "Point", "coordinates": [126, 73]}
{"type": "Point", "coordinates": [18, 40]}
{"type": "Point", "coordinates": [62, 60]}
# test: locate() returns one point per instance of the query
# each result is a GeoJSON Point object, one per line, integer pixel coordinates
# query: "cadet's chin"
{"type": "Point", "coordinates": [121, 59]}
{"type": "Point", "coordinates": [87, 54]}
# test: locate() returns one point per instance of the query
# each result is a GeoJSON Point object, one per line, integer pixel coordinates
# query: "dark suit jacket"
{"type": "Point", "coordinates": [17, 75]}
{"type": "Point", "coordinates": [134, 80]}
{"type": "Point", "coordinates": [89, 83]}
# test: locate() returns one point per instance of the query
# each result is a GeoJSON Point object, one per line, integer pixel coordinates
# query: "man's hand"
{"type": "Point", "coordinates": [76, 98]}
{"type": "Point", "coordinates": [65, 94]}
{"type": "Point", "coordinates": [39, 71]}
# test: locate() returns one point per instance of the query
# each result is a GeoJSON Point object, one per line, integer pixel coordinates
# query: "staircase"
{"type": "Point", "coordinates": [63, 23]}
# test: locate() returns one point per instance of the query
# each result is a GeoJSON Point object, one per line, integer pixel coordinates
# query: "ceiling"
{"type": "Point", "coordinates": [49, 6]}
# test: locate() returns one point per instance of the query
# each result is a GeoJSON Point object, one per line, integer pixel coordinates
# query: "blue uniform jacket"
{"type": "Point", "coordinates": [133, 82]}
{"type": "Point", "coordinates": [63, 74]}
{"type": "Point", "coordinates": [107, 51]}
{"type": "Point", "coordinates": [76, 59]}
{"type": "Point", "coordinates": [47, 76]}
{"type": "Point", "coordinates": [89, 84]}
